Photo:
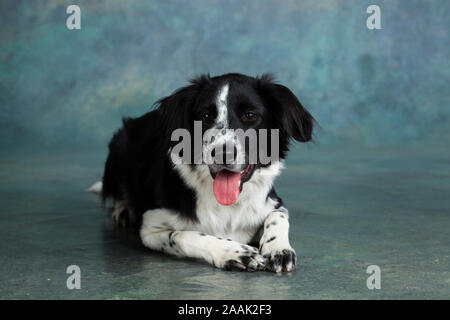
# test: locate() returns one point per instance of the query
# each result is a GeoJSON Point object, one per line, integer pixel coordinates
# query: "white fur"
{"type": "Point", "coordinates": [238, 222]}
{"type": "Point", "coordinates": [241, 220]}
{"type": "Point", "coordinates": [222, 135]}
{"type": "Point", "coordinates": [157, 233]}
{"type": "Point", "coordinates": [275, 238]}
{"type": "Point", "coordinates": [96, 187]}
{"type": "Point", "coordinates": [222, 107]}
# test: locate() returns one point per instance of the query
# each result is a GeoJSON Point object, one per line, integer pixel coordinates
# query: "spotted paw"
{"type": "Point", "coordinates": [280, 260]}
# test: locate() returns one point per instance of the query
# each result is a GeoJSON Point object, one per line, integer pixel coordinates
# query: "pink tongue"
{"type": "Point", "coordinates": [226, 187]}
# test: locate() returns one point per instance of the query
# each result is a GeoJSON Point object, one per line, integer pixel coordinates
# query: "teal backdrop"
{"type": "Point", "coordinates": [371, 87]}
{"type": "Point", "coordinates": [372, 190]}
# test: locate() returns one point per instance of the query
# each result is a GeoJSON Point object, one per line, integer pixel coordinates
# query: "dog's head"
{"type": "Point", "coordinates": [235, 124]}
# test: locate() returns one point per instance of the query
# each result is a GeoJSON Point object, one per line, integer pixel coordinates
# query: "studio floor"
{"type": "Point", "coordinates": [349, 208]}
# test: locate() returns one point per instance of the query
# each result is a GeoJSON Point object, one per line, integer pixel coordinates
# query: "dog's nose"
{"type": "Point", "coordinates": [225, 154]}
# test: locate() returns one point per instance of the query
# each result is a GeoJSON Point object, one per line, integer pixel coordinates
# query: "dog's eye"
{"type": "Point", "coordinates": [249, 116]}
{"type": "Point", "coordinates": [205, 116]}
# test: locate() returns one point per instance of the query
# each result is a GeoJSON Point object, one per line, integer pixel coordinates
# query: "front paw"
{"type": "Point", "coordinates": [280, 260]}
{"type": "Point", "coordinates": [242, 258]}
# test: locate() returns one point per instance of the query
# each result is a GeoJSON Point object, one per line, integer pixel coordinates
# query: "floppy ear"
{"type": "Point", "coordinates": [292, 118]}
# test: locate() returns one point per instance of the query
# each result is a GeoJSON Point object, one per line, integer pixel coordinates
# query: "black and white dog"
{"type": "Point", "coordinates": [213, 211]}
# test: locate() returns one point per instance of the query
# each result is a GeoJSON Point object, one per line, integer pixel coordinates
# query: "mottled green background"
{"type": "Point", "coordinates": [370, 86]}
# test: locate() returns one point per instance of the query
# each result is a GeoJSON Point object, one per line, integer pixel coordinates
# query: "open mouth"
{"type": "Point", "coordinates": [228, 184]}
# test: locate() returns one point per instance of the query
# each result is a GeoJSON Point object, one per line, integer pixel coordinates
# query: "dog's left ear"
{"type": "Point", "coordinates": [292, 117]}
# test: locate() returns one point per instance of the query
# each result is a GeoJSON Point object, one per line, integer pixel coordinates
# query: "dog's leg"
{"type": "Point", "coordinates": [162, 230]}
{"type": "Point", "coordinates": [274, 244]}
{"type": "Point", "coordinates": [119, 207]}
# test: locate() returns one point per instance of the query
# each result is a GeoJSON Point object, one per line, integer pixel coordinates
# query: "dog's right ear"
{"type": "Point", "coordinates": [175, 111]}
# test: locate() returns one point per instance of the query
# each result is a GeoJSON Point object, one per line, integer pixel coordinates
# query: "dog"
{"type": "Point", "coordinates": [227, 212]}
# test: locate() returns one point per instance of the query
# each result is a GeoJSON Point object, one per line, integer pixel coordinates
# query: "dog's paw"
{"type": "Point", "coordinates": [278, 254]}
{"type": "Point", "coordinates": [274, 244]}
{"type": "Point", "coordinates": [240, 258]}
{"type": "Point", "coordinates": [280, 260]}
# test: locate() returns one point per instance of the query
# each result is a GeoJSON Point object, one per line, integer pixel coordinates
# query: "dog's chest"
{"type": "Point", "coordinates": [240, 221]}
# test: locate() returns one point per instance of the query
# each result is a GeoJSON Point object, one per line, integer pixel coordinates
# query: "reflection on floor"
{"type": "Point", "coordinates": [349, 209]}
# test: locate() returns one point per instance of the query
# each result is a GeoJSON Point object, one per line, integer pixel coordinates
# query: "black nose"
{"type": "Point", "coordinates": [224, 154]}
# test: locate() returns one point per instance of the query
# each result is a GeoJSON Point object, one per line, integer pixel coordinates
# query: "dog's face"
{"type": "Point", "coordinates": [246, 123]}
